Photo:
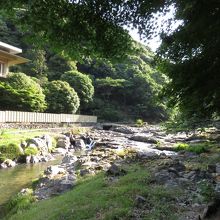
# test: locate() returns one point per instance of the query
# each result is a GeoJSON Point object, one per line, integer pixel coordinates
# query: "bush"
{"type": "Point", "coordinates": [11, 151]}
{"type": "Point", "coordinates": [21, 92]}
{"type": "Point", "coordinates": [31, 151]}
{"type": "Point", "coordinates": [61, 98]}
{"type": "Point", "coordinates": [139, 123]}
{"type": "Point", "coordinates": [82, 85]}
{"type": "Point", "coordinates": [195, 148]}
{"type": "Point", "coordinates": [2, 158]}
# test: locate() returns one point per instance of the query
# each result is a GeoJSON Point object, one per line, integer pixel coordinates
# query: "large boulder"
{"type": "Point", "coordinates": [115, 170]}
{"type": "Point", "coordinates": [69, 159]}
{"type": "Point", "coordinates": [122, 129]}
{"type": "Point", "coordinates": [40, 144]}
{"type": "Point", "coordinates": [80, 144]}
{"type": "Point", "coordinates": [7, 163]}
{"type": "Point", "coordinates": [63, 142]}
{"type": "Point", "coordinates": [143, 138]}
{"type": "Point", "coordinates": [54, 170]}
{"type": "Point", "coordinates": [48, 141]}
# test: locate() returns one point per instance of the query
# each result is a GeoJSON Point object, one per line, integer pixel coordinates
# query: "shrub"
{"type": "Point", "coordinates": [195, 148]}
{"type": "Point", "coordinates": [11, 151]}
{"type": "Point", "coordinates": [82, 85]}
{"type": "Point", "coordinates": [31, 151]}
{"type": "Point", "coordinates": [21, 92]}
{"type": "Point", "coordinates": [139, 123]}
{"type": "Point", "coordinates": [2, 158]}
{"type": "Point", "coordinates": [20, 202]}
{"type": "Point", "coordinates": [61, 98]}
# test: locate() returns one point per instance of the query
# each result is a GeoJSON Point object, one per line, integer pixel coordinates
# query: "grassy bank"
{"type": "Point", "coordinates": [101, 197]}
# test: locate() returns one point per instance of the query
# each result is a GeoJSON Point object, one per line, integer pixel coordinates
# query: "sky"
{"type": "Point", "coordinates": [156, 41]}
{"type": "Point", "coordinates": [153, 43]}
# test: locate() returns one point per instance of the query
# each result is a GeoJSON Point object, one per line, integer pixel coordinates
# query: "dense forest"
{"type": "Point", "coordinates": [113, 90]}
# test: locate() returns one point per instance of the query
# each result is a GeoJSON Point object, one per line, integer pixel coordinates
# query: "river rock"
{"type": "Point", "coordinates": [217, 168]}
{"type": "Point", "coordinates": [48, 140]}
{"type": "Point", "coordinates": [122, 129]}
{"type": "Point", "coordinates": [23, 144]}
{"type": "Point", "coordinates": [115, 170]}
{"type": "Point", "coordinates": [59, 150]}
{"type": "Point", "coordinates": [34, 159]}
{"type": "Point", "coordinates": [147, 154]}
{"type": "Point", "coordinates": [143, 138]}
{"type": "Point", "coordinates": [69, 158]}
{"type": "Point", "coordinates": [39, 143]}
{"type": "Point", "coordinates": [84, 172]}
{"type": "Point", "coordinates": [28, 159]}
{"type": "Point", "coordinates": [80, 144]}
{"type": "Point", "coordinates": [66, 185]}
{"type": "Point", "coordinates": [63, 142]}
{"type": "Point", "coordinates": [140, 201]}
{"type": "Point", "coordinates": [54, 170]}
{"type": "Point", "coordinates": [8, 163]}
{"type": "Point", "coordinates": [89, 164]}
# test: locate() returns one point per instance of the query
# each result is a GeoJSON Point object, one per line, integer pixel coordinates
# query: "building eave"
{"type": "Point", "coordinates": [9, 48]}
{"type": "Point", "coordinates": [12, 59]}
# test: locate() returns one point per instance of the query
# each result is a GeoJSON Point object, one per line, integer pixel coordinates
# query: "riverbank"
{"type": "Point", "coordinates": [132, 173]}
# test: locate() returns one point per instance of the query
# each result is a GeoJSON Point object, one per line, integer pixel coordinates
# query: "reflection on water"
{"type": "Point", "coordinates": [12, 180]}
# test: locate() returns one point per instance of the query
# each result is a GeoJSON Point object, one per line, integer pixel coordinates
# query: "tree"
{"type": "Point", "coordinates": [82, 85]}
{"type": "Point", "coordinates": [37, 66]}
{"type": "Point", "coordinates": [193, 59]}
{"type": "Point", "coordinates": [94, 28]}
{"type": "Point", "coordinates": [61, 98]}
{"type": "Point", "coordinates": [57, 65]}
{"type": "Point", "coordinates": [20, 92]}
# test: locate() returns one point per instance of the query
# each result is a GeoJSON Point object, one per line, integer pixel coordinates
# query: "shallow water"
{"type": "Point", "coordinates": [12, 180]}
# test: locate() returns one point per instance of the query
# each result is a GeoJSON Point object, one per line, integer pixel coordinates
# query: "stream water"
{"type": "Point", "coordinates": [12, 180]}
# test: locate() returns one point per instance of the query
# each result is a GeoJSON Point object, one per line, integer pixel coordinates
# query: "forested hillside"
{"type": "Point", "coordinates": [51, 82]}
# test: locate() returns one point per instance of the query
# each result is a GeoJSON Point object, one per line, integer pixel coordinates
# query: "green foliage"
{"type": "Point", "coordinates": [139, 122]}
{"type": "Point", "coordinates": [20, 92]}
{"type": "Point", "coordinates": [192, 59]}
{"type": "Point", "coordinates": [57, 65]}
{"type": "Point", "coordinates": [130, 86]}
{"type": "Point", "coordinates": [37, 65]}
{"type": "Point", "coordinates": [10, 151]}
{"type": "Point", "coordinates": [109, 113]}
{"type": "Point", "coordinates": [31, 151]}
{"type": "Point", "coordinates": [20, 202]}
{"type": "Point", "coordinates": [82, 85]}
{"type": "Point", "coordinates": [189, 54]}
{"type": "Point", "coordinates": [2, 157]}
{"type": "Point", "coordinates": [124, 89]}
{"type": "Point", "coordinates": [195, 148]}
{"type": "Point", "coordinates": [85, 29]}
{"type": "Point", "coordinates": [206, 190]}
{"type": "Point", "coordinates": [61, 98]}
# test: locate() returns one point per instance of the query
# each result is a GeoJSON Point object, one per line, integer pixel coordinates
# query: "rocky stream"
{"type": "Point", "coordinates": [106, 147]}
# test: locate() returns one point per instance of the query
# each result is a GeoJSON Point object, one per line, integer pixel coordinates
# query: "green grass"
{"type": "Point", "coordinates": [98, 198]}
{"type": "Point", "coordinates": [195, 148]}
{"type": "Point", "coordinates": [8, 136]}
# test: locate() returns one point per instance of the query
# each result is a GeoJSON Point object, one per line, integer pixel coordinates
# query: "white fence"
{"type": "Point", "coordinates": [35, 117]}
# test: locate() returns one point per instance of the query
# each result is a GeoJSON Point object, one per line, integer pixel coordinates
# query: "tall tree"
{"type": "Point", "coordinates": [193, 55]}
